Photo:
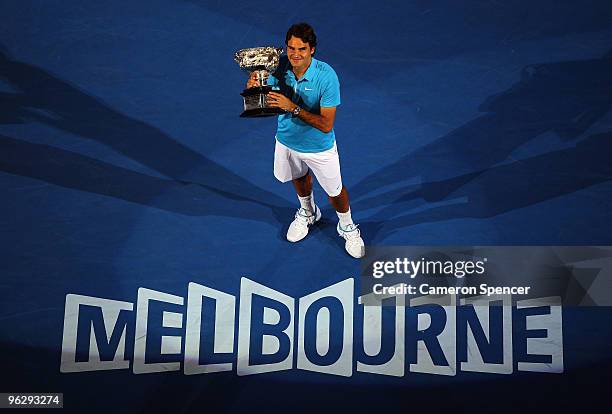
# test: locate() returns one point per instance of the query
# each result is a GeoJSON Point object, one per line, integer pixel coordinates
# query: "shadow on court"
{"type": "Point", "coordinates": [504, 188]}
{"type": "Point", "coordinates": [195, 185]}
{"type": "Point", "coordinates": [565, 98]}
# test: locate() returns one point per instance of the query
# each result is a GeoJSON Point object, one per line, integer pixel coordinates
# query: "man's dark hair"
{"type": "Point", "coordinates": [303, 31]}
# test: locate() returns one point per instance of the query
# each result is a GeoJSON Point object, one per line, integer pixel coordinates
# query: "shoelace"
{"type": "Point", "coordinates": [302, 216]}
{"type": "Point", "coordinates": [351, 231]}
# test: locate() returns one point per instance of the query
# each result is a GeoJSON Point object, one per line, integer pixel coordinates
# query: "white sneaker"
{"type": "Point", "coordinates": [354, 243]}
{"type": "Point", "coordinates": [298, 229]}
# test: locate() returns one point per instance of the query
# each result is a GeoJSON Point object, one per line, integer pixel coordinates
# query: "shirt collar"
{"type": "Point", "coordinates": [310, 72]}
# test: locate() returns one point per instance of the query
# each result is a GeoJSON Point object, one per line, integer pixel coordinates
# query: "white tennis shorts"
{"type": "Point", "coordinates": [290, 164]}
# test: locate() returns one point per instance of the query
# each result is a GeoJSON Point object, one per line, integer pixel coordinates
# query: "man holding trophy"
{"type": "Point", "coordinates": [305, 93]}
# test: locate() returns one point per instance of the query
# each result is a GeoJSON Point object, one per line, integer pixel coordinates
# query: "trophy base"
{"type": "Point", "coordinates": [261, 112]}
{"type": "Point", "coordinates": [255, 104]}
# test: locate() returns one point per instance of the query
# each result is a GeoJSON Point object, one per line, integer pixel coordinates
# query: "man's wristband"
{"type": "Point", "coordinates": [296, 111]}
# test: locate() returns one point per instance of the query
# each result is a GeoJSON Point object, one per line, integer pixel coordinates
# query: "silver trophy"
{"type": "Point", "coordinates": [262, 61]}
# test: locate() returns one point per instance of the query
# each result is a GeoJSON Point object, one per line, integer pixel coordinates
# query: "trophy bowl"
{"type": "Point", "coordinates": [262, 61]}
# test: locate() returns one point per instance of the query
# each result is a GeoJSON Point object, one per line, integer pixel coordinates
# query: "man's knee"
{"type": "Point", "coordinates": [305, 178]}
{"type": "Point", "coordinates": [337, 193]}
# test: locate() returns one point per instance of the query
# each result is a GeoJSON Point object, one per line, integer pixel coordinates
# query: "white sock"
{"type": "Point", "coordinates": [345, 218]}
{"type": "Point", "coordinates": [307, 203]}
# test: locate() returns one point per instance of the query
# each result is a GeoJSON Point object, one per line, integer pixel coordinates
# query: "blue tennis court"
{"type": "Point", "coordinates": [124, 165]}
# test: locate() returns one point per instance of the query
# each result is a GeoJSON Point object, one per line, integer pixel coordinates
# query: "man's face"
{"type": "Point", "coordinates": [300, 53]}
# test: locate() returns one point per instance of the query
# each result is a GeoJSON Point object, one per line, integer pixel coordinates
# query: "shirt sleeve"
{"type": "Point", "coordinates": [331, 91]}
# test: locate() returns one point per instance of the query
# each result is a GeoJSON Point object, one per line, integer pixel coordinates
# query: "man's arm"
{"type": "Point", "coordinates": [323, 122]}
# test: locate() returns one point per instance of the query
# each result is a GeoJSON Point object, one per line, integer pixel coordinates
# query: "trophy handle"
{"type": "Point", "coordinates": [262, 76]}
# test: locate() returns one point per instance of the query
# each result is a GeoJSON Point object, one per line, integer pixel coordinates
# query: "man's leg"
{"type": "Point", "coordinates": [343, 210]}
{"type": "Point", "coordinates": [287, 164]}
{"type": "Point", "coordinates": [340, 202]}
{"type": "Point", "coordinates": [346, 228]}
{"type": "Point", "coordinates": [326, 168]}
{"type": "Point", "coordinates": [303, 188]}
{"type": "Point", "coordinates": [308, 214]}
{"type": "Point", "coordinates": [303, 185]}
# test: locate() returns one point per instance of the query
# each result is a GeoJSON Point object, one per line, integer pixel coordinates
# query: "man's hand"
{"type": "Point", "coordinates": [277, 100]}
{"type": "Point", "coordinates": [253, 80]}
{"type": "Point", "coordinates": [323, 121]}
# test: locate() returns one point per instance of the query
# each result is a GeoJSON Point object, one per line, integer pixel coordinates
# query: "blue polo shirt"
{"type": "Point", "coordinates": [319, 87]}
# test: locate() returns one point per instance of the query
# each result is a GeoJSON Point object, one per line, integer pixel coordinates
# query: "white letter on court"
{"type": "Point", "coordinates": [270, 343]}
{"type": "Point", "coordinates": [372, 334]}
{"type": "Point", "coordinates": [475, 362]}
{"type": "Point", "coordinates": [224, 328]}
{"type": "Point", "coordinates": [446, 338]}
{"type": "Point", "coordinates": [110, 315]}
{"type": "Point", "coordinates": [342, 291]}
{"type": "Point", "coordinates": [553, 343]}
{"type": "Point", "coordinates": [169, 344]}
